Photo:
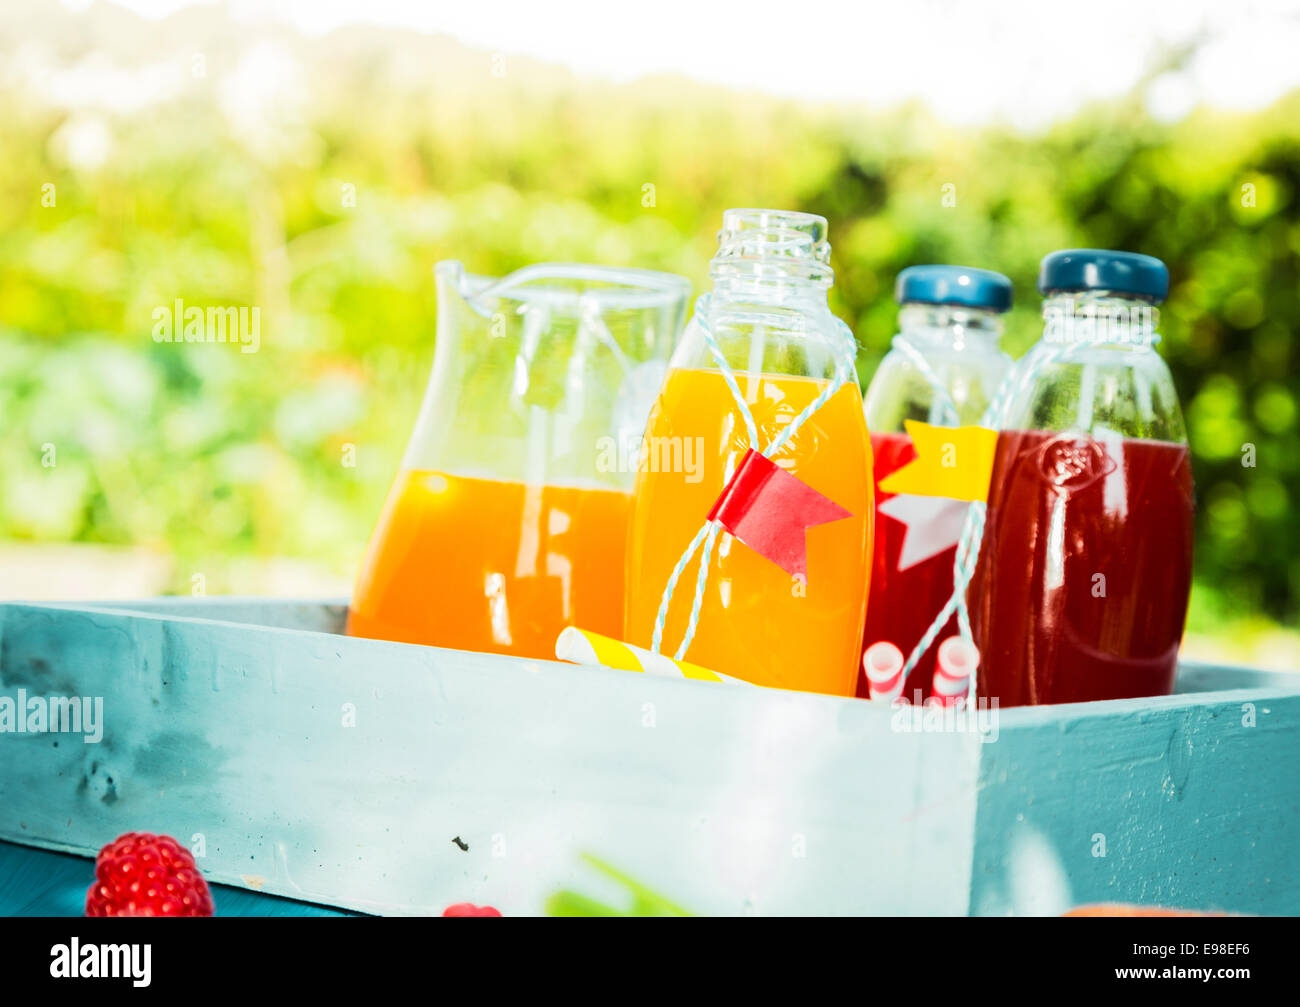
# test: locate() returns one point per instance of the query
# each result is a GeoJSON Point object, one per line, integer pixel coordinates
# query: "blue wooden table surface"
{"type": "Point", "coordinates": [40, 883]}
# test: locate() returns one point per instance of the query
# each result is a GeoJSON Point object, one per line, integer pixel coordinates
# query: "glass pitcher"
{"type": "Point", "coordinates": [764, 336]}
{"type": "Point", "coordinates": [508, 519]}
{"type": "Point", "coordinates": [943, 369]}
{"type": "Point", "coordinates": [1081, 588]}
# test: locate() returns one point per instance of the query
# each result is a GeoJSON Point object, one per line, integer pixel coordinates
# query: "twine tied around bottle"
{"type": "Point", "coordinates": [844, 352]}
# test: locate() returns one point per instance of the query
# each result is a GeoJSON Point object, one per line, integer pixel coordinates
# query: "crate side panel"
{"type": "Point", "coordinates": [352, 772]}
{"type": "Point", "coordinates": [315, 615]}
{"type": "Point", "coordinates": [1194, 676]}
{"type": "Point", "coordinates": [1180, 802]}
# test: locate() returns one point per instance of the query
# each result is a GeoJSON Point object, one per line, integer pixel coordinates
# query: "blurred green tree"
{"type": "Point", "coordinates": [329, 214]}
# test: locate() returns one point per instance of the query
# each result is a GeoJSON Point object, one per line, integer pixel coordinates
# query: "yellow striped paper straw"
{"type": "Point", "coordinates": [581, 646]}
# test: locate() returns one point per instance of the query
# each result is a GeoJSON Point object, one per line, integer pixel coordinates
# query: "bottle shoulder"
{"type": "Point", "coordinates": [1100, 389]}
{"type": "Point", "coordinates": [903, 388]}
{"type": "Point", "coordinates": [793, 339]}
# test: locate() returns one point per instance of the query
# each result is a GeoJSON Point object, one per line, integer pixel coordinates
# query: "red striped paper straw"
{"type": "Point", "coordinates": [957, 661]}
{"type": "Point", "coordinates": [883, 665]}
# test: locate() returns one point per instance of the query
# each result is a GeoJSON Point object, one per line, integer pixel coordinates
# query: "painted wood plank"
{"type": "Point", "coordinates": [317, 615]}
{"type": "Point", "coordinates": [1194, 676]}
{"type": "Point", "coordinates": [1187, 801]}
{"type": "Point", "coordinates": [728, 799]}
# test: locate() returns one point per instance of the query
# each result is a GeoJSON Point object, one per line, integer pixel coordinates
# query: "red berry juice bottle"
{"type": "Point", "coordinates": [1081, 588]}
{"type": "Point", "coordinates": [944, 368]}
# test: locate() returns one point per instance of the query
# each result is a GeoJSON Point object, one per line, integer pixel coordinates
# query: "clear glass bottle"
{"type": "Point", "coordinates": [944, 369]}
{"type": "Point", "coordinates": [1086, 564]}
{"type": "Point", "coordinates": [769, 320]}
{"type": "Point", "coordinates": [508, 519]}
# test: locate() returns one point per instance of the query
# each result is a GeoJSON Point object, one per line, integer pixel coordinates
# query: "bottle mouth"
{"type": "Point", "coordinates": [567, 286]}
{"type": "Point", "coordinates": [776, 243]}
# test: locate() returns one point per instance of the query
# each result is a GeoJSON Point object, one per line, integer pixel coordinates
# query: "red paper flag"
{"type": "Point", "coordinates": [768, 509]}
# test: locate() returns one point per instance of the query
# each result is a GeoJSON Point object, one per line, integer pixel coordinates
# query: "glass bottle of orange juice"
{"type": "Point", "coordinates": [765, 367]}
{"type": "Point", "coordinates": [508, 519]}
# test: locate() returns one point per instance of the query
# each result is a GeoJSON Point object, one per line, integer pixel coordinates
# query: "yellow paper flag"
{"type": "Point", "coordinates": [952, 462]}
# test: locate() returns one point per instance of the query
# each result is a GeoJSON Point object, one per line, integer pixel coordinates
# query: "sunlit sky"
{"type": "Point", "coordinates": [1023, 61]}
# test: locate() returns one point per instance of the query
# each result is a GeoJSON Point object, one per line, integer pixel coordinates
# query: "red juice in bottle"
{"type": "Point", "coordinates": [1085, 566]}
{"type": "Point", "coordinates": [944, 368]}
{"type": "Point", "coordinates": [910, 580]}
{"type": "Point", "coordinates": [1084, 573]}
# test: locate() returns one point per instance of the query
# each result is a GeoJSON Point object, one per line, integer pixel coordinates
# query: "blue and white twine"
{"type": "Point", "coordinates": [844, 372]}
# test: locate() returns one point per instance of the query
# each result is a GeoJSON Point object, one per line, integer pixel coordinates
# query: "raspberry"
{"type": "Point", "coordinates": [469, 909]}
{"type": "Point", "coordinates": [140, 874]}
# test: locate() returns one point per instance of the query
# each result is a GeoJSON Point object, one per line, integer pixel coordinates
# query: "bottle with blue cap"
{"type": "Point", "coordinates": [1084, 571]}
{"type": "Point", "coordinates": [944, 367]}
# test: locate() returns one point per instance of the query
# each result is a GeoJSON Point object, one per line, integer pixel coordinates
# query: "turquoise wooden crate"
{"type": "Point", "coordinates": [386, 777]}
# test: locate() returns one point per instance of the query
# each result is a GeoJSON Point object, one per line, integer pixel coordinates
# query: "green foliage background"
{"type": "Point", "coordinates": [207, 453]}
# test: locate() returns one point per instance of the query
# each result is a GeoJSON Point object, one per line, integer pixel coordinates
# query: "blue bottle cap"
{"type": "Point", "coordinates": [960, 285]}
{"type": "Point", "coordinates": [1128, 273]}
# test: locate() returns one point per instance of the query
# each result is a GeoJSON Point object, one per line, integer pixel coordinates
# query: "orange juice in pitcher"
{"type": "Point", "coordinates": [752, 514]}
{"type": "Point", "coordinates": [508, 519]}
{"type": "Point", "coordinates": [486, 564]}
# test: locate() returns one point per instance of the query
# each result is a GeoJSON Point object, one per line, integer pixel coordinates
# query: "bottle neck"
{"type": "Point", "coordinates": [1101, 318]}
{"type": "Point", "coordinates": [771, 292]}
{"type": "Point", "coordinates": [950, 327]}
{"type": "Point", "coordinates": [775, 258]}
